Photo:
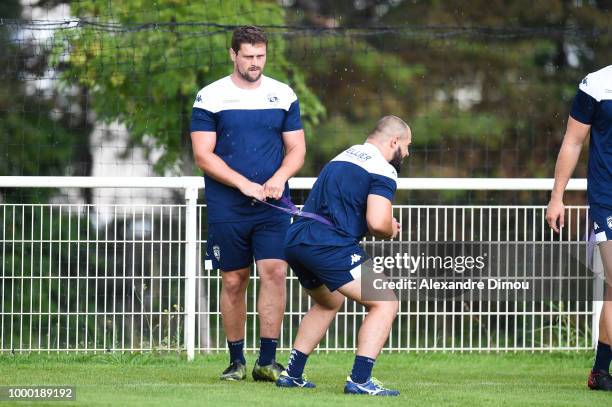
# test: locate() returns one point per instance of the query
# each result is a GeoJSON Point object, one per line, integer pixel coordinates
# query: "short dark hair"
{"type": "Point", "coordinates": [248, 34]}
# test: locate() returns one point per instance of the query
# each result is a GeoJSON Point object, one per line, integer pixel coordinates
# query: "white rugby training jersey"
{"type": "Point", "coordinates": [249, 126]}
{"type": "Point", "coordinates": [593, 105]}
{"type": "Point", "coordinates": [341, 193]}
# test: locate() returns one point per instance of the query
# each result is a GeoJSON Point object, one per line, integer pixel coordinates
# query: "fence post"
{"type": "Point", "coordinates": [191, 224]}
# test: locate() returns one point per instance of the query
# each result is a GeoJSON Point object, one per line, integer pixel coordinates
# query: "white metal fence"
{"type": "Point", "coordinates": [131, 278]}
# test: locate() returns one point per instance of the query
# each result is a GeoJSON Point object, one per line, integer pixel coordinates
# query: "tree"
{"type": "Point", "coordinates": [143, 65]}
{"type": "Point", "coordinates": [35, 139]}
{"type": "Point", "coordinates": [486, 85]}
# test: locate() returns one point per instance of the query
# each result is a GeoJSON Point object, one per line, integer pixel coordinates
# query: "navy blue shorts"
{"type": "Point", "coordinates": [602, 222]}
{"type": "Point", "coordinates": [232, 245]}
{"type": "Point", "coordinates": [329, 265]}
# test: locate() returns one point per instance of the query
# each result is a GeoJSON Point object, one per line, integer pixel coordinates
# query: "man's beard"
{"type": "Point", "coordinates": [245, 75]}
{"type": "Point", "coordinates": [397, 160]}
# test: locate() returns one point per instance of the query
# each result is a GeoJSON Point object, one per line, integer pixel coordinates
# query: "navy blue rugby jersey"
{"type": "Point", "coordinates": [340, 194]}
{"type": "Point", "coordinates": [249, 126]}
{"type": "Point", "coordinates": [593, 105]}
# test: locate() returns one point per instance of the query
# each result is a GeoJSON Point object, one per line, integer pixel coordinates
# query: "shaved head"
{"type": "Point", "coordinates": [390, 126]}
{"type": "Point", "coordinates": [392, 136]}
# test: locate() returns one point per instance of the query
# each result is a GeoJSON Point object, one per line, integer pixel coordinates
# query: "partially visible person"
{"type": "Point", "coordinates": [591, 113]}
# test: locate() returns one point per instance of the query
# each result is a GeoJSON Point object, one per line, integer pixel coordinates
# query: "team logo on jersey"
{"type": "Point", "coordinates": [217, 252]}
{"type": "Point", "coordinates": [272, 98]}
{"type": "Point", "coordinates": [595, 225]}
{"type": "Point", "coordinates": [584, 81]}
{"type": "Point", "coordinates": [198, 98]}
{"type": "Point", "coordinates": [609, 220]}
{"type": "Point", "coordinates": [355, 258]}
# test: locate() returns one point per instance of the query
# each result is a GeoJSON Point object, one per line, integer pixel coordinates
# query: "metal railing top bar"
{"type": "Point", "coordinates": [476, 184]}
{"type": "Point", "coordinates": [465, 184]}
{"type": "Point", "coordinates": [103, 182]}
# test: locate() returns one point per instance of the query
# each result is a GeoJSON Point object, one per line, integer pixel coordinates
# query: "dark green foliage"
{"type": "Point", "coordinates": [147, 78]}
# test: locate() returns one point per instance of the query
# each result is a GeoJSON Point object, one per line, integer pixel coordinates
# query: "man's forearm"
{"type": "Point", "coordinates": [292, 163]}
{"type": "Point", "coordinates": [385, 232]}
{"type": "Point", "coordinates": [216, 168]}
{"type": "Point", "coordinates": [566, 163]}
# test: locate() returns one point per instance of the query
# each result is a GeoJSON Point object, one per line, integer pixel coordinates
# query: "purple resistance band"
{"type": "Point", "coordinates": [291, 209]}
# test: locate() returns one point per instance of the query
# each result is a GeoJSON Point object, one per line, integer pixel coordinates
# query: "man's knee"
{"type": "Point", "coordinates": [331, 303]}
{"type": "Point", "coordinates": [388, 308]}
{"type": "Point", "coordinates": [275, 274]}
{"type": "Point", "coordinates": [235, 284]}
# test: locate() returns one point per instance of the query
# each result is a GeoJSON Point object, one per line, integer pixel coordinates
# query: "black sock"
{"type": "Point", "coordinates": [296, 364]}
{"type": "Point", "coordinates": [602, 357]}
{"type": "Point", "coordinates": [236, 351]}
{"type": "Point", "coordinates": [267, 351]}
{"type": "Point", "coordinates": [362, 369]}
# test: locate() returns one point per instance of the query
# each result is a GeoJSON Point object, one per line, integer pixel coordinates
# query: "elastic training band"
{"type": "Point", "coordinates": [291, 209]}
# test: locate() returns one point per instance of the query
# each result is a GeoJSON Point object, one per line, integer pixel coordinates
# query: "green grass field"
{"type": "Point", "coordinates": [431, 379]}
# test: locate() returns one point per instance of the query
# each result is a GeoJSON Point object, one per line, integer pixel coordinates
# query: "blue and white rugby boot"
{"type": "Point", "coordinates": [284, 380]}
{"type": "Point", "coordinates": [372, 387]}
